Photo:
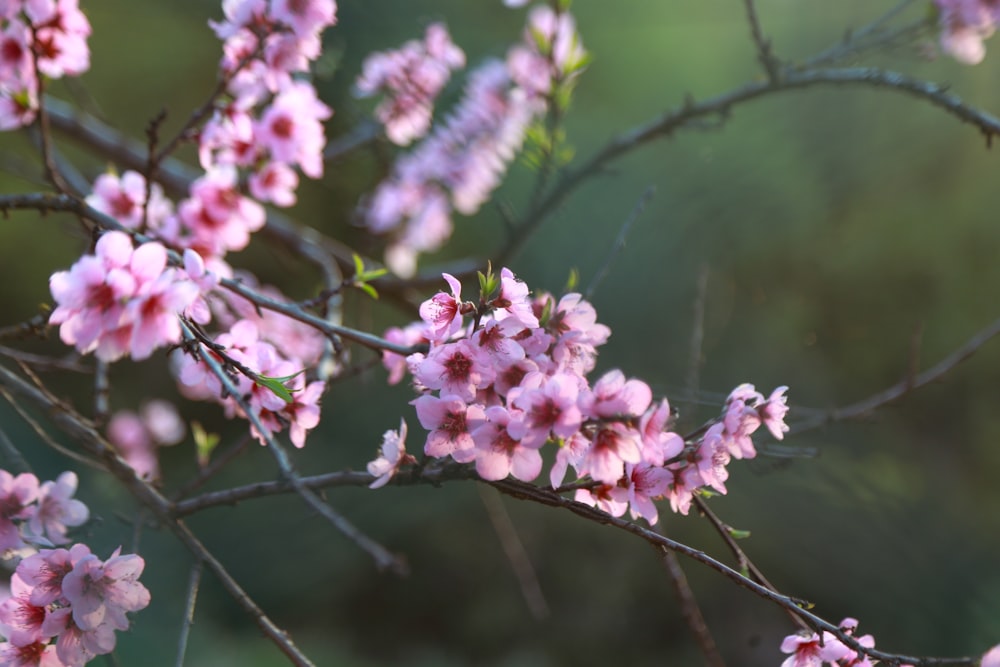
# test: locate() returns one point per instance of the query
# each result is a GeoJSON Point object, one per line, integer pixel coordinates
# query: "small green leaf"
{"type": "Point", "coordinates": [738, 534]}
{"type": "Point", "coordinates": [204, 442]}
{"type": "Point", "coordinates": [368, 289]}
{"type": "Point", "coordinates": [572, 280]}
{"type": "Point", "coordinates": [359, 264]}
{"type": "Point", "coordinates": [277, 385]}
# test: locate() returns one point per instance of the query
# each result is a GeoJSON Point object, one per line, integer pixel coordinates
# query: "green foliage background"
{"type": "Point", "coordinates": [834, 224]}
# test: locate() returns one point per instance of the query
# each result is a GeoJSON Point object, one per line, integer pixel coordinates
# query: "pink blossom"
{"type": "Point", "coordinates": [57, 509]}
{"type": "Point", "coordinates": [443, 312]}
{"type": "Point", "coordinates": [608, 498]}
{"type": "Point", "coordinates": [43, 573]}
{"type": "Point", "coordinates": [964, 26]}
{"type": "Point", "coordinates": [412, 334]}
{"type": "Point", "coordinates": [61, 32]}
{"type": "Point", "coordinates": [276, 183]}
{"type": "Point", "coordinates": [680, 490]}
{"type": "Point", "coordinates": [645, 482]}
{"type": "Point", "coordinates": [290, 127]}
{"type": "Point", "coordinates": [772, 412]}
{"type": "Point", "coordinates": [613, 396]}
{"type": "Point", "coordinates": [128, 434]}
{"type": "Point", "coordinates": [412, 77]}
{"type": "Point", "coordinates": [102, 592]}
{"type": "Point", "coordinates": [614, 445]}
{"type": "Point", "coordinates": [809, 651]}
{"type": "Point", "coordinates": [659, 445]}
{"type": "Point", "coordinates": [992, 657]}
{"type": "Point", "coordinates": [391, 456]}
{"type": "Point", "coordinates": [551, 407]}
{"type": "Point", "coordinates": [123, 198]}
{"type": "Point", "coordinates": [450, 422]}
{"type": "Point", "coordinates": [455, 369]}
{"type": "Point", "coordinates": [305, 17]}
{"type": "Point", "coordinates": [500, 454]}
{"type": "Point", "coordinates": [513, 300]}
{"type": "Point", "coordinates": [38, 654]}
{"type": "Point", "coordinates": [572, 452]}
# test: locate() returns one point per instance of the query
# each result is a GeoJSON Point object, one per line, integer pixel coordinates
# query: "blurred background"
{"type": "Point", "coordinates": [834, 227]}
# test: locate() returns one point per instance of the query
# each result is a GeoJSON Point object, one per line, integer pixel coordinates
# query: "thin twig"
{"type": "Point", "coordinates": [45, 437]}
{"type": "Point", "coordinates": [13, 460]}
{"type": "Point", "coordinates": [619, 243]}
{"type": "Point", "coordinates": [746, 565]}
{"type": "Point", "coordinates": [690, 608]}
{"type": "Point", "coordinates": [520, 563]}
{"type": "Point", "coordinates": [865, 407]}
{"type": "Point", "coordinates": [764, 54]}
{"type": "Point", "coordinates": [194, 581]}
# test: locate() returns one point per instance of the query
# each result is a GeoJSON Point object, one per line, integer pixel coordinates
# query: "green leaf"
{"type": "Point", "coordinates": [204, 442]}
{"type": "Point", "coordinates": [738, 534]}
{"type": "Point", "coordinates": [277, 385]}
{"type": "Point", "coordinates": [572, 280]}
{"type": "Point", "coordinates": [359, 264]}
{"type": "Point", "coordinates": [368, 289]}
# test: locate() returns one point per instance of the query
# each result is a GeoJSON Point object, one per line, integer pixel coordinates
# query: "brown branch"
{"type": "Point", "coordinates": [384, 559]}
{"type": "Point", "coordinates": [865, 407]}
{"type": "Point", "coordinates": [764, 54]}
{"type": "Point", "coordinates": [520, 563]}
{"type": "Point", "coordinates": [690, 608]}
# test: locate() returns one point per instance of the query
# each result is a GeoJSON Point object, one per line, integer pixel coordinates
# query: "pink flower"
{"type": "Point", "coordinates": [122, 198]}
{"type": "Point", "coordinates": [808, 651]}
{"type": "Point", "coordinates": [391, 456]}
{"type": "Point", "coordinates": [38, 654]}
{"type": "Point", "coordinates": [455, 369]}
{"type": "Point", "coordinates": [645, 482]}
{"type": "Point", "coordinates": [614, 396]}
{"type": "Point", "coordinates": [57, 509]}
{"type": "Point", "coordinates": [306, 17]}
{"type": "Point", "coordinates": [680, 490]}
{"type": "Point", "coordinates": [450, 422]}
{"type": "Point", "coordinates": [412, 77]}
{"type": "Point", "coordinates": [772, 412]}
{"type": "Point", "coordinates": [548, 408]}
{"type": "Point", "coordinates": [608, 498]}
{"type": "Point", "coordinates": [443, 312]}
{"type": "Point", "coordinates": [614, 445]}
{"type": "Point", "coordinates": [102, 592]}
{"type": "Point", "coordinates": [499, 454]}
{"type": "Point", "coordinates": [992, 657]}
{"type": "Point", "coordinates": [658, 445]}
{"type": "Point", "coordinates": [513, 301]}
{"type": "Point", "coordinates": [290, 127]}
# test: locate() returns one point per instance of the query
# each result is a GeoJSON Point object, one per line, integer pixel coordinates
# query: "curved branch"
{"type": "Point", "coordinates": [692, 113]}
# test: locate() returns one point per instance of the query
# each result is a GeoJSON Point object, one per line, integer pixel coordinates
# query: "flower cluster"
{"type": "Point", "coordinates": [964, 26]}
{"type": "Point", "coordinates": [411, 78]}
{"type": "Point", "coordinates": [71, 596]}
{"type": "Point", "coordinates": [245, 349]}
{"type": "Point", "coordinates": [809, 650]}
{"type": "Point", "coordinates": [271, 122]}
{"type": "Point", "coordinates": [122, 300]}
{"type": "Point", "coordinates": [51, 34]}
{"type": "Point", "coordinates": [137, 436]}
{"type": "Point", "coordinates": [460, 164]}
{"type": "Point", "coordinates": [495, 391]}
